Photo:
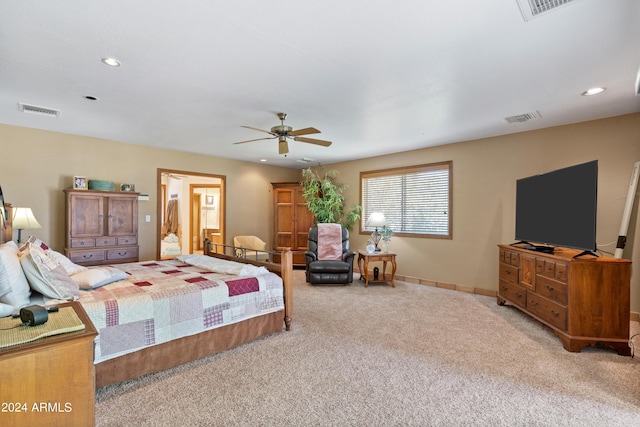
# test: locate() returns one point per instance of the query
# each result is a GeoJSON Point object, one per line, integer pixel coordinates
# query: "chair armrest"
{"type": "Point", "coordinates": [348, 256]}
{"type": "Point", "coordinates": [310, 256]}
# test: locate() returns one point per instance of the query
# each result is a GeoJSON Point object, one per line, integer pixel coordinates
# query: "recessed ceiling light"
{"type": "Point", "coordinates": [111, 62]}
{"type": "Point", "coordinates": [594, 91]}
{"type": "Point", "coordinates": [263, 160]}
{"type": "Point", "coordinates": [91, 98]}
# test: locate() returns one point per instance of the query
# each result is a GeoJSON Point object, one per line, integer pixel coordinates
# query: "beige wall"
{"type": "Point", "coordinates": [484, 178]}
{"type": "Point", "coordinates": [36, 166]}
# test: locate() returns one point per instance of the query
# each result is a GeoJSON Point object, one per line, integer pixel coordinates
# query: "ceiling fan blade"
{"type": "Point", "coordinates": [259, 130]}
{"type": "Point", "coordinates": [283, 147]}
{"type": "Point", "coordinates": [305, 131]}
{"type": "Point", "coordinates": [313, 141]}
{"type": "Point", "coordinates": [251, 140]}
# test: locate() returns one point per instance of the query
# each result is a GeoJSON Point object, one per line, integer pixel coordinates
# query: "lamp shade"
{"type": "Point", "coordinates": [376, 219]}
{"type": "Point", "coordinates": [23, 219]}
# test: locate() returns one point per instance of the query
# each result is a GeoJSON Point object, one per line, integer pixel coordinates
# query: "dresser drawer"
{"type": "Point", "coordinates": [83, 257]}
{"type": "Point", "coordinates": [127, 240]}
{"type": "Point", "coordinates": [552, 289]}
{"type": "Point", "coordinates": [106, 241]}
{"type": "Point", "coordinates": [83, 243]}
{"type": "Point", "coordinates": [513, 293]}
{"type": "Point", "coordinates": [122, 253]}
{"type": "Point", "coordinates": [509, 273]}
{"type": "Point", "coordinates": [549, 311]}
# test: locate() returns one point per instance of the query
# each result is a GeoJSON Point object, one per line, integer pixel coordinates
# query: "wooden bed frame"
{"type": "Point", "coordinates": [182, 350]}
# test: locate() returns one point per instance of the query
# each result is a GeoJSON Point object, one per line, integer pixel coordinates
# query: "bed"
{"type": "Point", "coordinates": [159, 314]}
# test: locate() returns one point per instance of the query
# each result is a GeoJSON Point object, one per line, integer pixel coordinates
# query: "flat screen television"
{"type": "Point", "coordinates": [558, 208]}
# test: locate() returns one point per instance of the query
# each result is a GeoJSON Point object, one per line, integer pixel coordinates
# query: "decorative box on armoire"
{"type": "Point", "coordinates": [102, 227]}
{"type": "Point", "coordinates": [292, 220]}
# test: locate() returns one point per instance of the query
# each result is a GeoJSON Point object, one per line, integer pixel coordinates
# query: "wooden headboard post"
{"type": "Point", "coordinates": [6, 231]}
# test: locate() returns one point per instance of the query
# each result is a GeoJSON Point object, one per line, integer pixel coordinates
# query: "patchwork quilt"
{"type": "Point", "coordinates": [164, 300]}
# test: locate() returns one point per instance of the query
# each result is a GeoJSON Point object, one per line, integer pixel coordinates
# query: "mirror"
{"type": "Point", "coordinates": [190, 208]}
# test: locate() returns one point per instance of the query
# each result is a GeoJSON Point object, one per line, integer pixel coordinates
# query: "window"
{"type": "Point", "coordinates": [415, 200]}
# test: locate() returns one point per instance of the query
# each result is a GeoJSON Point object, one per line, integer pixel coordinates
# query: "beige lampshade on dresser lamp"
{"type": "Point", "coordinates": [23, 219]}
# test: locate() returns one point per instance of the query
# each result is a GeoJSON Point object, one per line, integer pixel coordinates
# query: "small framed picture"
{"type": "Point", "coordinates": [127, 187]}
{"type": "Point", "coordinates": [79, 183]}
{"type": "Point", "coordinates": [209, 200]}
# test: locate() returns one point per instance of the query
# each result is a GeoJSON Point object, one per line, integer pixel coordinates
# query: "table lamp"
{"type": "Point", "coordinates": [376, 219]}
{"type": "Point", "coordinates": [23, 219]}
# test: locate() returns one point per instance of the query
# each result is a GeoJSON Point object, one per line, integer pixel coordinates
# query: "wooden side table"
{"type": "Point", "coordinates": [365, 257]}
{"type": "Point", "coordinates": [51, 381]}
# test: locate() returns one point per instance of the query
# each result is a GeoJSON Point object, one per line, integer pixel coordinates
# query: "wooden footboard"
{"type": "Point", "coordinates": [284, 269]}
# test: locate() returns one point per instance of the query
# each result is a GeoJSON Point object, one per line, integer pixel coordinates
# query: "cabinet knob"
{"type": "Point", "coordinates": [549, 288]}
{"type": "Point", "coordinates": [81, 243]}
{"type": "Point", "coordinates": [554, 313]}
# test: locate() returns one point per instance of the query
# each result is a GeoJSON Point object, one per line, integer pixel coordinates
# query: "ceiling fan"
{"type": "Point", "coordinates": [282, 132]}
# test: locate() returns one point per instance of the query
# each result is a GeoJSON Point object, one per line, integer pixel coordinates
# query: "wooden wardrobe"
{"type": "Point", "coordinates": [292, 220]}
{"type": "Point", "coordinates": [102, 227]}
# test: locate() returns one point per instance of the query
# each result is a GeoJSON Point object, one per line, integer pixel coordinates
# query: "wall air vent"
{"type": "Point", "coordinates": [533, 8]}
{"type": "Point", "coordinates": [41, 111]}
{"type": "Point", "coordinates": [521, 118]}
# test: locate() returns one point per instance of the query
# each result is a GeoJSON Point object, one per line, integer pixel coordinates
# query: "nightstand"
{"type": "Point", "coordinates": [365, 258]}
{"type": "Point", "coordinates": [50, 381]}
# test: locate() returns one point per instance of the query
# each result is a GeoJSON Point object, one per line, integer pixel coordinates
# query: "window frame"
{"type": "Point", "coordinates": [406, 170]}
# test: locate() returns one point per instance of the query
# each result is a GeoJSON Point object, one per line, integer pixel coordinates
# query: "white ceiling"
{"type": "Point", "coordinates": [374, 76]}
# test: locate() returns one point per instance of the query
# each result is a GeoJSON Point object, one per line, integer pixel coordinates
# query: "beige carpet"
{"type": "Point", "coordinates": [407, 356]}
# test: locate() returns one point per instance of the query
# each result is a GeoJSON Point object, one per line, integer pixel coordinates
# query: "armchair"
{"type": "Point", "coordinates": [251, 247]}
{"type": "Point", "coordinates": [328, 258]}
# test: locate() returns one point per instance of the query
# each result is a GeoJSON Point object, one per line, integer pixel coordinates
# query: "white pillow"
{"type": "Point", "coordinates": [46, 275]}
{"type": "Point", "coordinates": [6, 310]}
{"type": "Point", "coordinates": [95, 277]}
{"type": "Point", "coordinates": [66, 263]}
{"type": "Point", "coordinates": [14, 288]}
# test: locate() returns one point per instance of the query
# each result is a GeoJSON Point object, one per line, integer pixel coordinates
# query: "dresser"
{"type": "Point", "coordinates": [585, 300]}
{"type": "Point", "coordinates": [292, 220]}
{"type": "Point", "coordinates": [51, 381]}
{"type": "Point", "coordinates": [102, 227]}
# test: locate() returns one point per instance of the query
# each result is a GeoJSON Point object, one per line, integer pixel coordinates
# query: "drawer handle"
{"type": "Point", "coordinates": [508, 272]}
{"type": "Point", "coordinates": [105, 242]}
{"type": "Point", "coordinates": [81, 243]}
{"type": "Point", "coordinates": [122, 253]}
{"type": "Point", "coordinates": [87, 256]}
{"type": "Point", "coordinates": [549, 288]}
{"type": "Point", "coordinates": [554, 313]}
{"type": "Point", "coordinates": [504, 288]}
{"type": "Point", "coordinates": [533, 303]}
{"type": "Point", "coordinates": [518, 294]}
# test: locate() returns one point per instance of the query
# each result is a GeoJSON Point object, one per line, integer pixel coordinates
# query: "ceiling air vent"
{"type": "Point", "coordinates": [521, 118]}
{"type": "Point", "coordinates": [533, 8]}
{"type": "Point", "coordinates": [41, 111]}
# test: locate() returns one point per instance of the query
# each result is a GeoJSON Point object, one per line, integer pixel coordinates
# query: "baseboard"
{"type": "Point", "coordinates": [634, 317]}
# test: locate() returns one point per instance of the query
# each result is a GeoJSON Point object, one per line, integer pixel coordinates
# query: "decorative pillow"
{"type": "Point", "coordinates": [6, 310]}
{"type": "Point", "coordinates": [46, 275]}
{"type": "Point", "coordinates": [34, 241]}
{"type": "Point", "coordinates": [14, 288]}
{"type": "Point", "coordinates": [95, 277]}
{"type": "Point", "coordinates": [66, 263]}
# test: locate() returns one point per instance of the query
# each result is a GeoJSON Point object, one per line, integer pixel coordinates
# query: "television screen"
{"type": "Point", "coordinates": [558, 208]}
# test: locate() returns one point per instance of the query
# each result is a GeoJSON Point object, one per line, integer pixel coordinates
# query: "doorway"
{"type": "Point", "coordinates": [191, 206]}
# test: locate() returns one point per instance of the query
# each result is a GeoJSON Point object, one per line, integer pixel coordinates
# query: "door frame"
{"type": "Point", "coordinates": [193, 175]}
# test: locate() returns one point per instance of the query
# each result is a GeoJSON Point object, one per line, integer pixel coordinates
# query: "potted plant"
{"type": "Point", "coordinates": [386, 233]}
{"type": "Point", "coordinates": [323, 197]}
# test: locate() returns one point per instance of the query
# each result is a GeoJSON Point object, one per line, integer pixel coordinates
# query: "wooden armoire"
{"type": "Point", "coordinates": [292, 220]}
{"type": "Point", "coordinates": [102, 227]}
